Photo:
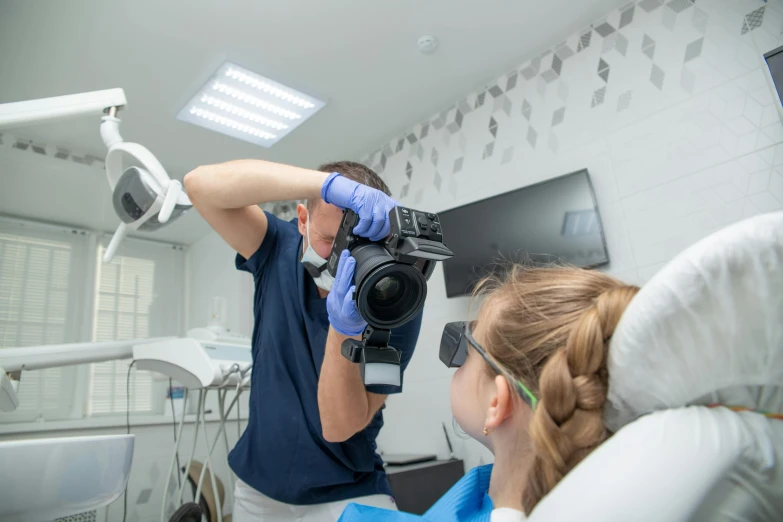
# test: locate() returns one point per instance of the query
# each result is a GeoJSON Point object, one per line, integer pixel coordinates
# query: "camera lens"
{"type": "Point", "coordinates": [388, 293]}
{"type": "Point", "coordinates": [387, 289]}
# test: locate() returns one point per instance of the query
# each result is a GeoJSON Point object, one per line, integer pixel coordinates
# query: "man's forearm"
{"type": "Point", "coordinates": [342, 399]}
{"type": "Point", "coordinates": [238, 184]}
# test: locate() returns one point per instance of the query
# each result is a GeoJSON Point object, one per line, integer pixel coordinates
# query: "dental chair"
{"type": "Point", "coordinates": [707, 330]}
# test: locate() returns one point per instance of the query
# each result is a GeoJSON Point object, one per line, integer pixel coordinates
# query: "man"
{"type": "Point", "coordinates": [309, 447]}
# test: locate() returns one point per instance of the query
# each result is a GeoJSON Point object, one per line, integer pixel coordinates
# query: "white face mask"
{"type": "Point", "coordinates": [316, 265]}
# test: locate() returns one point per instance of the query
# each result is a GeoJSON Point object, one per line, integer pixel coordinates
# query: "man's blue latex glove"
{"type": "Point", "coordinates": [370, 204]}
{"type": "Point", "coordinates": [340, 304]}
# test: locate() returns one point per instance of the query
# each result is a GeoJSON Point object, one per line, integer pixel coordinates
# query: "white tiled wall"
{"type": "Point", "coordinates": [666, 104]}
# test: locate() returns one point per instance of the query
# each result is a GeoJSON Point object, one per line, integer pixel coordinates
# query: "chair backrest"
{"type": "Point", "coordinates": [707, 329]}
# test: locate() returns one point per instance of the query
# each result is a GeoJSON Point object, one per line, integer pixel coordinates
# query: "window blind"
{"type": "Point", "coordinates": [139, 294]}
{"type": "Point", "coordinates": [41, 290]}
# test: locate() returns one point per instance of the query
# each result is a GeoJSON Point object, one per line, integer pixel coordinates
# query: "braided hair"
{"type": "Point", "coordinates": [550, 327]}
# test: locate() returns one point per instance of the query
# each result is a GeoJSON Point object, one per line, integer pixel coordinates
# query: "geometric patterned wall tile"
{"type": "Point", "coordinates": [603, 70]}
{"type": "Point", "coordinates": [598, 97]}
{"type": "Point", "coordinates": [511, 82]}
{"type": "Point", "coordinates": [669, 19]}
{"type": "Point", "coordinates": [437, 181]}
{"type": "Point", "coordinates": [480, 99]}
{"type": "Point", "coordinates": [621, 44]}
{"type": "Point", "coordinates": [489, 148]}
{"type": "Point", "coordinates": [508, 155]}
{"type": "Point", "coordinates": [699, 20]}
{"type": "Point", "coordinates": [531, 70]}
{"type": "Point", "coordinates": [456, 123]}
{"type": "Point", "coordinates": [679, 6]}
{"type": "Point", "coordinates": [557, 116]}
{"type": "Point", "coordinates": [562, 90]}
{"type": "Point", "coordinates": [434, 157]}
{"type": "Point", "coordinates": [693, 49]}
{"type": "Point", "coordinates": [758, 182]}
{"type": "Point", "coordinates": [549, 76]}
{"type": "Point", "coordinates": [650, 5]}
{"type": "Point", "coordinates": [584, 41]}
{"type": "Point", "coordinates": [527, 110]}
{"type": "Point", "coordinates": [657, 76]}
{"type": "Point", "coordinates": [412, 138]}
{"type": "Point", "coordinates": [424, 131]}
{"type": "Point", "coordinates": [604, 29]}
{"type": "Point", "coordinates": [457, 165]}
{"type": "Point", "coordinates": [563, 51]}
{"type": "Point", "coordinates": [532, 136]}
{"type": "Point", "coordinates": [648, 46]}
{"type": "Point", "coordinates": [541, 85]}
{"type": "Point", "coordinates": [626, 17]}
{"type": "Point", "coordinates": [495, 91]}
{"type": "Point", "coordinates": [408, 170]}
{"type": "Point", "coordinates": [503, 103]}
{"type": "Point", "coordinates": [753, 20]}
{"type": "Point", "coordinates": [493, 127]}
{"type": "Point", "coordinates": [624, 101]}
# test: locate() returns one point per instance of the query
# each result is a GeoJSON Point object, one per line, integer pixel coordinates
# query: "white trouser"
{"type": "Point", "coordinates": [252, 506]}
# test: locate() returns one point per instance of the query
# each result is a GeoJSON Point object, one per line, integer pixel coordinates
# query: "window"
{"type": "Point", "coordinates": [138, 294]}
{"type": "Point", "coordinates": [54, 288]}
{"type": "Point", "coordinates": [41, 293]}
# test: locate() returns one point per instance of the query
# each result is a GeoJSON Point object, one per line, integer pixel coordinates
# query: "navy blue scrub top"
{"type": "Point", "coordinates": [282, 453]}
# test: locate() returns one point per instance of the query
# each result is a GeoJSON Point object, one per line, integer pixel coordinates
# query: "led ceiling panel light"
{"type": "Point", "coordinates": [247, 106]}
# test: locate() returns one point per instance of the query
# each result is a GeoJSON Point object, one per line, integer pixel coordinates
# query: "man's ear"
{"type": "Point", "coordinates": [301, 214]}
{"type": "Point", "coordinates": [501, 404]}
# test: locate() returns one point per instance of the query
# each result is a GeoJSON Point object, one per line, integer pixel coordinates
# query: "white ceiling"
{"type": "Point", "coordinates": [359, 55]}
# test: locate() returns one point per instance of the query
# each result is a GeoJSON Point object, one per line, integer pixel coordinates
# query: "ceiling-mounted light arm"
{"type": "Point", "coordinates": [148, 197]}
{"type": "Point", "coordinates": [59, 107]}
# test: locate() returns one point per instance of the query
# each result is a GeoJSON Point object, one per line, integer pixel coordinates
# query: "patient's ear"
{"type": "Point", "coordinates": [501, 403]}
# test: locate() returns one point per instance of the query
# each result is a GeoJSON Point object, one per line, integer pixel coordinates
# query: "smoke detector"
{"type": "Point", "coordinates": [427, 44]}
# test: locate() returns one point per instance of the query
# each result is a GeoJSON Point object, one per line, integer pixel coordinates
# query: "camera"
{"type": "Point", "coordinates": [391, 283]}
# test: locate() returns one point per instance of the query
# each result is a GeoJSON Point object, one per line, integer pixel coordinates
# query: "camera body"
{"type": "Point", "coordinates": [391, 283]}
{"type": "Point", "coordinates": [415, 238]}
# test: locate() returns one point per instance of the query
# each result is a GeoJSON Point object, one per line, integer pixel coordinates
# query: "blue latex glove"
{"type": "Point", "coordinates": [340, 304]}
{"type": "Point", "coordinates": [370, 204]}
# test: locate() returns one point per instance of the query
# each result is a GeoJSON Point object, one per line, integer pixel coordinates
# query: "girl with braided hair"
{"type": "Point", "coordinates": [531, 387]}
{"type": "Point", "coordinates": [533, 381]}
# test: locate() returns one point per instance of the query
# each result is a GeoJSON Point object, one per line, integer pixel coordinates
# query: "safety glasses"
{"type": "Point", "coordinates": [454, 350]}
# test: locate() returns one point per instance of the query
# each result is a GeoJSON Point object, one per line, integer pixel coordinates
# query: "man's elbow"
{"type": "Point", "coordinates": [335, 434]}
{"type": "Point", "coordinates": [194, 182]}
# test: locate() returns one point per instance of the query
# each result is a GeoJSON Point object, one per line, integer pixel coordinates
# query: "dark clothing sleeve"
{"type": "Point", "coordinates": [260, 259]}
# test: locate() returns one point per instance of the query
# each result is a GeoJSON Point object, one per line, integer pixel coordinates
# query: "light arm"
{"type": "Point", "coordinates": [46, 109]}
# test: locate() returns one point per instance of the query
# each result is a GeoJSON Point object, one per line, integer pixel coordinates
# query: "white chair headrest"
{"type": "Point", "coordinates": [707, 328]}
{"type": "Point", "coordinates": [687, 464]}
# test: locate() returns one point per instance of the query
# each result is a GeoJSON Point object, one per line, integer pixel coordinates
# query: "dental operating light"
{"type": "Point", "coordinates": [143, 195]}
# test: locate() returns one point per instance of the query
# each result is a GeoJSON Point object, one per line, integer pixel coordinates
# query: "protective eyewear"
{"type": "Point", "coordinates": [454, 351]}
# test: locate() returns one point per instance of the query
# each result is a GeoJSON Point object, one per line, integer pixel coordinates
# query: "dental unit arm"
{"type": "Point", "coordinates": [144, 196]}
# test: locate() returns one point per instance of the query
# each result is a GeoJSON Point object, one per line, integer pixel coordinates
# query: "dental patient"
{"type": "Point", "coordinates": [531, 387]}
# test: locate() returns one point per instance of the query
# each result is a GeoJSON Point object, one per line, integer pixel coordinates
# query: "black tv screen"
{"type": "Point", "coordinates": [775, 63]}
{"type": "Point", "coordinates": [555, 220]}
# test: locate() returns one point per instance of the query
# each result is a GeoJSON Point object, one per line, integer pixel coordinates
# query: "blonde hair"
{"type": "Point", "coordinates": [550, 327]}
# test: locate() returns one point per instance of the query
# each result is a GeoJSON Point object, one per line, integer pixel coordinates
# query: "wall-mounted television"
{"type": "Point", "coordinates": [774, 75]}
{"type": "Point", "coordinates": [555, 220]}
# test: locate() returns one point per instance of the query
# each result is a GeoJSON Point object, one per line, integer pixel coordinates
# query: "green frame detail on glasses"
{"type": "Point", "coordinates": [522, 390]}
